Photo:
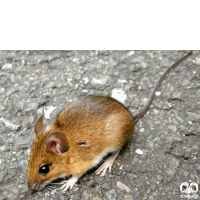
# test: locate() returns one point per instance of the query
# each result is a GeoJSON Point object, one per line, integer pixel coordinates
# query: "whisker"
{"type": "Point", "coordinates": [51, 187]}
{"type": "Point", "coordinates": [45, 191]}
{"type": "Point", "coordinates": [48, 188]}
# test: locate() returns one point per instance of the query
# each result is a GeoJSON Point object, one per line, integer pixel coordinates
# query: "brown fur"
{"type": "Point", "coordinates": [99, 121]}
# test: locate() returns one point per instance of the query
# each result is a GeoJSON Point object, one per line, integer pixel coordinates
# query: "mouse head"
{"type": "Point", "coordinates": [49, 157]}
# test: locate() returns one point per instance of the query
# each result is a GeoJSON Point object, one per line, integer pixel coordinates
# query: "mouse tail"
{"type": "Point", "coordinates": [143, 110]}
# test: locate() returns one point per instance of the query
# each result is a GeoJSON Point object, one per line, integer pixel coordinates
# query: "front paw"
{"type": "Point", "coordinates": [69, 184]}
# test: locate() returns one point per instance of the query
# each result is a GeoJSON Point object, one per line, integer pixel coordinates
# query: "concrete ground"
{"type": "Point", "coordinates": [165, 147]}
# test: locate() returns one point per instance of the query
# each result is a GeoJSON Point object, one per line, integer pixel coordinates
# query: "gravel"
{"type": "Point", "coordinates": [36, 82]}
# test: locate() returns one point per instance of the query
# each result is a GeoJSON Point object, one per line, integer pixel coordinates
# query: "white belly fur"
{"type": "Point", "coordinates": [103, 154]}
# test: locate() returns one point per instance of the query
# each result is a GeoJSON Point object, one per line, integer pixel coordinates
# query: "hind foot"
{"type": "Point", "coordinates": [107, 164]}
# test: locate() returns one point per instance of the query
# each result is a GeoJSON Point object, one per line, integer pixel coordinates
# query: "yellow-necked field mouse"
{"type": "Point", "coordinates": [80, 137]}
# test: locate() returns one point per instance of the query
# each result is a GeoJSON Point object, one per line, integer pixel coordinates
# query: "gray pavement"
{"type": "Point", "coordinates": [164, 150]}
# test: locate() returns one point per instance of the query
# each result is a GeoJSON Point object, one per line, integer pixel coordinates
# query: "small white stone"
{"type": "Point", "coordinates": [101, 61]}
{"type": "Point", "coordinates": [139, 151]}
{"type": "Point", "coordinates": [189, 122]}
{"type": "Point", "coordinates": [100, 81]}
{"type": "Point", "coordinates": [86, 80]}
{"type": "Point", "coordinates": [7, 66]}
{"type": "Point", "coordinates": [144, 100]}
{"type": "Point", "coordinates": [48, 110]}
{"type": "Point", "coordinates": [119, 95]}
{"type": "Point", "coordinates": [130, 53]}
{"type": "Point", "coordinates": [10, 125]}
{"type": "Point", "coordinates": [197, 61]}
{"type": "Point", "coordinates": [74, 59]}
{"type": "Point", "coordinates": [155, 111]}
{"type": "Point", "coordinates": [142, 130]}
{"type": "Point", "coordinates": [122, 81]}
{"type": "Point", "coordinates": [158, 93]}
{"type": "Point", "coordinates": [121, 167]}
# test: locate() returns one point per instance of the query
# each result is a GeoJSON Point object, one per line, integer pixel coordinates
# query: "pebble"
{"type": "Point", "coordinates": [2, 148]}
{"type": "Point", "coordinates": [86, 80]}
{"type": "Point", "coordinates": [96, 198]}
{"type": "Point", "coordinates": [139, 151]}
{"type": "Point", "coordinates": [50, 84]}
{"type": "Point", "coordinates": [128, 197]}
{"type": "Point", "coordinates": [12, 78]}
{"type": "Point", "coordinates": [156, 112]}
{"type": "Point", "coordinates": [134, 68]}
{"type": "Point", "coordinates": [143, 65]}
{"type": "Point", "coordinates": [111, 195]}
{"type": "Point", "coordinates": [10, 125]}
{"type": "Point", "coordinates": [2, 108]}
{"type": "Point", "coordinates": [78, 76]}
{"type": "Point", "coordinates": [15, 191]}
{"type": "Point", "coordinates": [160, 177]}
{"type": "Point", "coordinates": [130, 53]}
{"type": "Point", "coordinates": [142, 130]}
{"type": "Point", "coordinates": [7, 66]}
{"type": "Point", "coordinates": [2, 90]}
{"type": "Point", "coordinates": [99, 82]}
{"type": "Point", "coordinates": [177, 95]}
{"type": "Point", "coordinates": [19, 153]}
{"type": "Point", "coordinates": [158, 93]}
{"type": "Point", "coordinates": [122, 186]}
{"type": "Point", "coordinates": [197, 60]}
{"type": "Point", "coordinates": [106, 186]}
{"type": "Point", "coordinates": [26, 83]}
{"type": "Point", "coordinates": [48, 110]}
{"type": "Point", "coordinates": [119, 95]}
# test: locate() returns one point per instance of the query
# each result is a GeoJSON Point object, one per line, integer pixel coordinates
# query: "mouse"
{"type": "Point", "coordinates": [80, 137]}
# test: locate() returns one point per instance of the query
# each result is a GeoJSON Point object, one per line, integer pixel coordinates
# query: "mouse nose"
{"type": "Point", "coordinates": [30, 190]}
{"type": "Point", "coordinates": [34, 187]}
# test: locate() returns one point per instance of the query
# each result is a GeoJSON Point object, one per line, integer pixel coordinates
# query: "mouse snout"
{"type": "Point", "coordinates": [34, 187]}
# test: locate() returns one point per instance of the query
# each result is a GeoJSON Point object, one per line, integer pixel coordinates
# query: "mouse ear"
{"type": "Point", "coordinates": [39, 128]}
{"type": "Point", "coordinates": [57, 142]}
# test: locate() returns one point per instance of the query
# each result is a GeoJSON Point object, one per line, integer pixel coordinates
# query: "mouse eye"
{"type": "Point", "coordinates": [44, 169]}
